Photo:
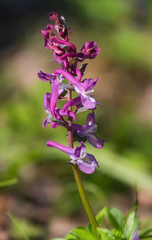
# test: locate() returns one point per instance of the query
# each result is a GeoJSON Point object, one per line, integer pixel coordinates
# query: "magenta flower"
{"type": "Point", "coordinates": [51, 41]}
{"type": "Point", "coordinates": [85, 89]}
{"type": "Point", "coordinates": [46, 76]}
{"type": "Point", "coordinates": [58, 113]}
{"type": "Point", "coordinates": [60, 25]}
{"type": "Point", "coordinates": [85, 161]}
{"type": "Point", "coordinates": [57, 88]}
{"type": "Point", "coordinates": [87, 131]}
{"type": "Point", "coordinates": [74, 102]}
{"type": "Point", "coordinates": [90, 50]}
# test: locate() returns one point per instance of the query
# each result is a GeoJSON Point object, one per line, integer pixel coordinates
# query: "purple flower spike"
{"type": "Point", "coordinates": [85, 161]}
{"type": "Point", "coordinates": [90, 50]}
{"type": "Point", "coordinates": [64, 82]}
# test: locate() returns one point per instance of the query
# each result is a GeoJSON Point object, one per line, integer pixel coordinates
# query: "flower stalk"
{"type": "Point", "coordinates": [56, 38]}
{"type": "Point", "coordinates": [78, 180]}
{"type": "Point", "coordinates": [84, 198]}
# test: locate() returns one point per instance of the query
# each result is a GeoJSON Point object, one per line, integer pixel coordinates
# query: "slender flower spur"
{"type": "Point", "coordinates": [56, 39]}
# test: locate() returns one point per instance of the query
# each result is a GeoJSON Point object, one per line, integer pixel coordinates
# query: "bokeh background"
{"type": "Point", "coordinates": [45, 199]}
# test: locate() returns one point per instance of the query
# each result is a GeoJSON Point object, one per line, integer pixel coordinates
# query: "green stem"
{"type": "Point", "coordinates": [84, 198]}
{"type": "Point", "coordinates": [78, 178]}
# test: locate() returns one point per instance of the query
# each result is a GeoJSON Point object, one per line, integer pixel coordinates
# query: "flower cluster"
{"type": "Point", "coordinates": [56, 38]}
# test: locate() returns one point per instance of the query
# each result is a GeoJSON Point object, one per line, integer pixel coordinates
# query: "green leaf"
{"type": "Point", "coordinates": [147, 238]}
{"type": "Point", "coordinates": [102, 234]}
{"type": "Point", "coordinates": [16, 224]}
{"type": "Point", "coordinates": [8, 182]}
{"type": "Point", "coordinates": [132, 225]}
{"type": "Point", "coordinates": [83, 234]}
{"type": "Point", "coordinates": [115, 217]}
{"type": "Point", "coordinates": [123, 170]}
{"type": "Point", "coordinates": [57, 239]}
{"type": "Point", "coordinates": [100, 215]}
{"type": "Point", "coordinates": [70, 236]}
{"type": "Point", "coordinates": [145, 233]}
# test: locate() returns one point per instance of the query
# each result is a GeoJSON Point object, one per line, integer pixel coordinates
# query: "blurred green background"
{"type": "Point", "coordinates": [123, 30]}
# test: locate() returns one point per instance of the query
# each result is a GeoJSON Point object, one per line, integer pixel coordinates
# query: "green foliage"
{"type": "Point", "coordinates": [115, 217]}
{"type": "Point", "coordinates": [101, 234]}
{"type": "Point", "coordinates": [24, 229]}
{"type": "Point", "coordinates": [18, 227]}
{"type": "Point", "coordinates": [120, 228]}
{"type": "Point", "coordinates": [8, 182]}
{"type": "Point", "coordinates": [101, 215]}
{"type": "Point", "coordinates": [105, 12]}
{"type": "Point", "coordinates": [132, 49]}
{"type": "Point", "coordinates": [144, 233]}
{"type": "Point", "coordinates": [82, 233]}
{"type": "Point", "coordinates": [119, 167]}
{"type": "Point", "coordinates": [132, 225]}
{"type": "Point", "coordinates": [58, 239]}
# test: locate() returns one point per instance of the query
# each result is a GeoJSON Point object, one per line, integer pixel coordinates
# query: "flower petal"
{"type": "Point", "coordinates": [46, 101]}
{"type": "Point", "coordinates": [88, 164]}
{"type": "Point", "coordinates": [71, 78]}
{"type": "Point", "coordinates": [87, 103]}
{"type": "Point", "coordinates": [90, 119]}
{"type": "Point", "coordinates": [95, 141]}
{"type": "Point", "coordinates": [90, 49]}
{"type": "Point", "coordinates": [74, 102]}
{"type": "Point", "coordinates": [54, 96]}
{"type": "Point", "coordinates": [46, 76]}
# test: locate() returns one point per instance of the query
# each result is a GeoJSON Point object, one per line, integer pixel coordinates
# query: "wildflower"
{"type": "Point", "coordinates": [90, 50]}
{"type": "Point", "coordinates": [56, 38]}
{"type": "Point", "coordinates": [87, 131]}
{"type": "Point", "coordinates": [58, 113]}
{"type": "Point", "coordinates": [60, 25]}
{"type": "Point", "coordinates": [57, 88]}
{"type": "Point", "coordinates": [85, 88]}
{"type": "Point", "coordinates": [85, 161]}
{"type": "Point", "coordinates": [46, 76]}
